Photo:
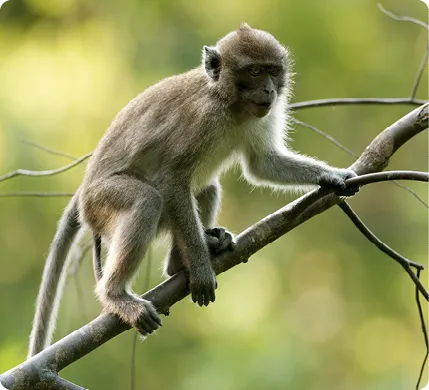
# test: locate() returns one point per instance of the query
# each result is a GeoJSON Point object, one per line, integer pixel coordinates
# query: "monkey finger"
{"type": "Point", "coordinates": [153, 319]}
{"type": "Point", "coordinates": [143, 326]}
{"type": "Point", "coordinates": [217, 232]}
{"type": "Point", "coordinates": [224, 244]}
{"type": "Point", "coordinates": [201, 299]}
{"type": "Point", "coordinates": [212, 242]}
{"type": "Point", "coordinates": [206, 298]}
{"type": "Point", "coordinates": [220, 233]}
{"type": "Point", "coordinates": [194, 296]}
{"type": "Point", "coordinates": [232, 245]}
{"type": "Point", "coordinates": [154, 316]}
{"type": "Point", "coordinates": [140, 329]}
{"type": "Point", "coordinates": [213, 295]}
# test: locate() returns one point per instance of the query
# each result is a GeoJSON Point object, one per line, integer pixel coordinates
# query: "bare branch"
{"type": "Point", "coordinates": [420, 73]}
{"type": "Point", "coordinates": [425, 56]}
{"type": "Point", "coordinates": [404, 262]}
{"type": "Point", "coordinates": [48, 150]}
{"type": "Point", "coordinates": [411, 192]}
{"type": "Point", "coordinates": [402, 18]}
{"type": "Point", "coordinates": [59, 383]}
{"type": "Point", "coordinates": [325, 135]}
{"type": "Point", "coordinates": [350, 153]}
{"type": "Point", "coordinates": [81, 342]}
{"type": "Point", "coordinates": [425, 333]}
{"type": "Point", "coordinates": [25, 172]}
{"type": "Point", "coordinates": [351, 101]}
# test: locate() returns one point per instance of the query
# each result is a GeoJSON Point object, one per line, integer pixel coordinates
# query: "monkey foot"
{"type": "Point", "coordinates": [148, 321]}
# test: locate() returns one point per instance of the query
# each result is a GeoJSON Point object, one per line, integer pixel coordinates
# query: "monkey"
{"type": "Point", "coordinates": [157, 169]}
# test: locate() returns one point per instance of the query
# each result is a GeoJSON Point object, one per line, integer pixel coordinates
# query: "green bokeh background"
{"type": "Point", "coordinates": [321, 308]}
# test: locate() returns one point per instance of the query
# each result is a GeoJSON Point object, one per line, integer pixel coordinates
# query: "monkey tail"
{"type": "Point", "coordinates": [47, 303]}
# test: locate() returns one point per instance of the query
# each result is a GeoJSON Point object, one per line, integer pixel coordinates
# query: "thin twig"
{"type": "Point", "coordinates": [402, 18]}
{"type": "Point", "coordinates": [48, 150]}
{"type": "Point", "coordinates": [325, 135]}
{"type": "Point", "coordinates": [408, 189]}
{"type": "Point", "coordinates": [350, 101]}
{"type": "Point", "coordinates": [404, 262]}
{"type": "Point", "coordinates": [350, 153]}
{"type": "Point", "coordinates": [25, 172]}
{"type": "Point", "coordinates": [35, 194]}
{"type": "Point", "coordinates": [425, 56]}
{"type": "Point", "coordinates": [134, 344]}
{"type": "Point", "coordinates": [425, 333]}
{"type": "Point", "coordinates": [420, 73]}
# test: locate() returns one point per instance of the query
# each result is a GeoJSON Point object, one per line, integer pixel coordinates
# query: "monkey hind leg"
{"type": "Point", "coordinates": [134, 209]}
{"type": "Point", "coordinates": [173, 262]}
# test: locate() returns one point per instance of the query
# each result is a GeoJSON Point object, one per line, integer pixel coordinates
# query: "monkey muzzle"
{"type": "Point", "coordinates": [260, 108]}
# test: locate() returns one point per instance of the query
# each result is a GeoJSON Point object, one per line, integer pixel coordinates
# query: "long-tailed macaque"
{"type": "Point", "coordinates": [157, 169]}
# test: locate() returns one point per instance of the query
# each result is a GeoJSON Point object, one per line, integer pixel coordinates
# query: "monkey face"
{"type": "Point", "coordinates": [258, 86]}
{"type": "Point", "coordinates": [249, 68]}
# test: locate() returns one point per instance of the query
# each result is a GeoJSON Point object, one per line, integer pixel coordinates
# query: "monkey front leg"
{"type": "Point", "coordinates": [189, 244]}
{"type": "Point", "coordinates": [285, 167]}
{"type": "Point", "coordinates": [218, 238]}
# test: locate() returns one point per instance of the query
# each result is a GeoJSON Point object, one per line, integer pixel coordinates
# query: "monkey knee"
{"type": "Point", "coordinates": [150, 206]}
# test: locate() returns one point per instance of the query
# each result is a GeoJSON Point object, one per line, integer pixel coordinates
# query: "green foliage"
{"type": "Point", "coordinates": [319, 309]}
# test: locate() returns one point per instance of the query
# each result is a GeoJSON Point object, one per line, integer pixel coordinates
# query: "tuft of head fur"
{"type": "Point", "coordinates": [250, 44]}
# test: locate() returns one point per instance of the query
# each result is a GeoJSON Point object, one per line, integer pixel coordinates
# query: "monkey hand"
{"type": "Point", "coordinates": [202, 283]}
{"type": "Point", "coordinates": [336, 179]}
{"type": "Point", "coordinates": [219, 240]}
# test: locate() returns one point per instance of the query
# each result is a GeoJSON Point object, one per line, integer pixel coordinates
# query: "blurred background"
{"type": "Point", "coordinates": [321, 308]}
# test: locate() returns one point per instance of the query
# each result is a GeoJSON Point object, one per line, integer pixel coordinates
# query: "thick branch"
{"type": "Point", "coordinates": [103, 328]}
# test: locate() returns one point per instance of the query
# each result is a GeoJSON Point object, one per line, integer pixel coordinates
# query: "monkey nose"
{"type": "Point", "coordinates": [269, 91]}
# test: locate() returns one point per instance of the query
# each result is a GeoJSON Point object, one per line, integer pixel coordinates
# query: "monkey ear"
{"type": "Point", "coordinates": [212, 62]}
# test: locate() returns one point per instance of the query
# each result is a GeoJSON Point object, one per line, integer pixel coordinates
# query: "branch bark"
{"type": "Point", "coordinates": [39, 371]}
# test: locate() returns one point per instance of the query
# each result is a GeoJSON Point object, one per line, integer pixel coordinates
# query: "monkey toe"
{"type": "Point", "coordinates": [347, 191]}
{"type": "Point", "coordinates": [219, 240]}
{"type": "Point", "coordinates": [203, 297]}
{"type": "Point", "coordinates": [149, 319]}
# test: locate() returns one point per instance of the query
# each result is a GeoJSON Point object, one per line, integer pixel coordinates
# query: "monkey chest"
{"type": "Point", "coordinates": [211, 164]}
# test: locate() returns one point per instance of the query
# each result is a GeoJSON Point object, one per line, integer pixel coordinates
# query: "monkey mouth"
{"type": "Point", "coordinates": [266, 105]}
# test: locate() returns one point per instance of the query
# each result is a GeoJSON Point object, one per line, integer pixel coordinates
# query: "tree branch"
{"type": "Point", "coordinates": [402, 18]}
{"type": "Point", "coordinates": [404, 262]}
{"type": "Point", "coordinates": [25, 172]}
{"type": "Point", "coordinates": [350, 101]}
{"type": "Point", "coordinates": [81, 342]}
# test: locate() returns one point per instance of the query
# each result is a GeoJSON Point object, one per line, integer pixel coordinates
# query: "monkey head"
{"type": "Point", "coordinates": [249, 69]}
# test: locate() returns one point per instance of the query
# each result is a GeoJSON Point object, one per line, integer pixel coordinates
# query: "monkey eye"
{"type": "Point", "coordinates": [255, 70]}
{"type": "Point", "coordinates": [275, 70]}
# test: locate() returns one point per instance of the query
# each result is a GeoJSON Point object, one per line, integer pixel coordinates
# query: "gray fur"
{"type": "Point", "coordinates": [156, 165]}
